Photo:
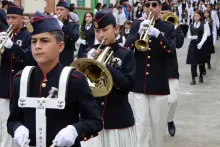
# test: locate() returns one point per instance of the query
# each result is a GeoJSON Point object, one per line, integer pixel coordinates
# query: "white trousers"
{"type": "Point", "coordinates": [5, 138]}
{"type": "Point", "coordinates": [173, 98]}
{"type": "Point", "coordinates": [150, 117]}
{"type": "Point", "coordinates": [113, 138]}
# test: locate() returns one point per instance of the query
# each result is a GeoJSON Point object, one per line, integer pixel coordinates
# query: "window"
{"type": "Point", "coordinates": [81, 3]}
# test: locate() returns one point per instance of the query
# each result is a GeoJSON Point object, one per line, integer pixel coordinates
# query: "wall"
{"type": "Point", "coordinates": [31, 6]}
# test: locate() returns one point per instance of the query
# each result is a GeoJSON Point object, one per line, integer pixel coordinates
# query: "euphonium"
{"type": "Point", "coordinates": [98, 76]}
{"type": "Point", "coordinates": [9, 35]}
{"type": "Point", "coordinates": [171, 17]}
{"type": "Point", "coordinates": [142, 43]}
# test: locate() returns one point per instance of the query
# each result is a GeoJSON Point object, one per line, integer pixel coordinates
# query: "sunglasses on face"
{"type": "Point", "coordinates": [153, 4]}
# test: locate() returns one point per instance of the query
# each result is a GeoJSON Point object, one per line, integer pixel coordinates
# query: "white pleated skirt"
{"type": "Point", "coordinates": [113, 138]}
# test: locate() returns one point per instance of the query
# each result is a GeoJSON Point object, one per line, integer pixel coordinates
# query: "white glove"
{"type": "Point", "coordinates": [153, 32]}
{"type": "Point", "coordinates": [21, 136]}
{"type": "Point", "coordinates": [60, 23]}
{"type": "Point", "coordinates": [66, 137]}
{"type": "Point", "coordinates": [8, 43]}
{"type": "Point", "coordinates": [199, 45]}
{"type": "Point", "coordinates": [143, 26]}
{"type": "Point", "coordinates": [92, 53]}
{"type": "Point", "coordinates": [194, 37]}
{"type": "Point", "coordinates": [214, 41]}
{"type": "Point", "coordinates": [82, 41]}
{"type": "Point", "coordinates": [3, 36]}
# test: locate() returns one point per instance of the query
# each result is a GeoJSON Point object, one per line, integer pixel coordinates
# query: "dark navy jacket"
{"type": "Point", "coordinates": [151, 75]}
{"type": "Point", "coordinates": [13, 60]}
{"type": "Point", "coordinates": [71, 35]}
{"type": "Point", "coordinates": [172, 62]}
{"type": "Point", "coordinates": [115, 108]}
{"type": "Point", "coordinates": [79, 100]}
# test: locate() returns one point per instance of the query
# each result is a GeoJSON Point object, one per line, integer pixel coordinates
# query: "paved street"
{"type": "Point", "coordinates": [198, 113]}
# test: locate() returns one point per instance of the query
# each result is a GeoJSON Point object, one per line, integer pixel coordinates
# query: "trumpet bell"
{"type": "Point", "coordinates": [98, 76]}
{"type": "Point", "coordinates": [142, 45]}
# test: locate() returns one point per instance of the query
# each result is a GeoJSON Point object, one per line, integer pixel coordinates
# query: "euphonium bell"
{"type": "Point", "coordinates": [142, 43]}
{"type": "Point", "coordinates": [98, 76]}
{"type": "Point", "coordinates": [171, 17]}
{"type": "Point", "coordinates": [9, 35]}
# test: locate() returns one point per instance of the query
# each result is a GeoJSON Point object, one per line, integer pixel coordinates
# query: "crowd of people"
{"type": "Point", "coordinates": [45, 101]}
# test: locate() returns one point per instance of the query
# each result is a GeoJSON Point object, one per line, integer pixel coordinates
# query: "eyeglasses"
{"type": "Point", "coordinates": [153, 4]}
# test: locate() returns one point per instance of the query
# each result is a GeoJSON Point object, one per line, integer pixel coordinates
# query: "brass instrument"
{"type": "Point", "coordinates": [98, 76]}
{"type": "Point", "coordinates": [9, 34]}
{"type": "Point", "coordinates": [171, 17]}
{"type": "Point", "coordinates": [142, 43]}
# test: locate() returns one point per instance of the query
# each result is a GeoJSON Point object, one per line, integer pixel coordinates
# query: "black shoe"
{"type": "Point", "coordinates": [193, 82]}
{"type": "Point", "coordinates": [200, 79]}
{"type": "Point", "coordinates": [171, 128]}
{"type": "Point", "coordinates": [209, 66]}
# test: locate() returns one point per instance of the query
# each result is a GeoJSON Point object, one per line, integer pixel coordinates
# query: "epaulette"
{"type": "Point", "coordinates": [76, 74]}
{"type": "Point", "coordinates": [18, 74]}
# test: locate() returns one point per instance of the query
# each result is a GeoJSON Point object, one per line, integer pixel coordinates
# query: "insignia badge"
{"type": "Point", "coordinates": [96, 24]}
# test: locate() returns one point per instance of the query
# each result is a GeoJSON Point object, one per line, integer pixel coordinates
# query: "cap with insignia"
{"type": "Point", "coordinates": [104, 18]}
{"type": "Point", "coordinates": [63, 3]}
{"type": "Point", "coordinates": [14, 9]}
{"type": "Point", "coordinates": [44, 23]}
{"type": "Point", "coordinates": [165, 7]}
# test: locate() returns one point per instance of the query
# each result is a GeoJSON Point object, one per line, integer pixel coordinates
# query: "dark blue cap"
{"type": "Point", "coordinates": [103, 18]}
{"type": "Point", "coordinates": [44, 23]}
{"type": "Point", "coordinates": [13, 9]}
{"type": "Point", "coordinates": [63, 3]}
{"type": "Point", "coordinates": [165, 7]}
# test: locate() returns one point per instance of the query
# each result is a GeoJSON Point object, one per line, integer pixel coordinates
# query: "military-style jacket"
{"type": "Point", "coordinates": [79, 101]}
{"type": "Point", "coordinates": [71, 35]}
{"type": "Point", "coordinates": [151, 70]}
{"type": "Point", "coordinates": [115, 108]}
{"type": "Point", "coordinates": [14, 60]}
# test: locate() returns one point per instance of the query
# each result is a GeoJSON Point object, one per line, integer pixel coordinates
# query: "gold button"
{"type": "Point", "coordinates": [148, 65]}
{"type": "Point", "coordinates": [43, 85]}
{"type": "Point", "coordinates": [147, 73]}
{"type": "Point", "coordinates": [85, 139]}
{"type": "Point", "coordinates": [161, 42]}
{"type": "Point", "coordinates": [168, 51]}
{"type": "Point", "coordinates": [102, 103]}
{"type": "Point", "coordinates": [98, 133]}
{"type": "Point", "coordinates": [164, 46]}
{"type": "Point", "coordinates": [149, 48]}
{"type": "Point", "coordinates": [91, 136]}
{"type": "Point", "coordinates": [149, 41]}
{"type": "Point", "coordinates": [148, 57]}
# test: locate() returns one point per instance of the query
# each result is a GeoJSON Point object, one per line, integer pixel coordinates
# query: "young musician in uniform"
{"type": "Point", "coordinates": [16, 55]}
{"type": "Point", "coordinates": [115, 109]}
{"type": "Point", "coordinates": [71, 32]}
{"type": "Point", "coordinates": [150, 94]}
{"type": "Point", "coordinates": [63, 126]}
{"type": "Point", "coordinates": [88, 37]}
{"type": "Point", "coordinates": [173, 74]}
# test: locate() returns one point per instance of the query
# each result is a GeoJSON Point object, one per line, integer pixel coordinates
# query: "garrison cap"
{"type": "Point", "coordinates": [14, 9]}
{"type": "Point", "coordinates": [103, 18]}
{"type": "Point", "coordinates": [44, 23]}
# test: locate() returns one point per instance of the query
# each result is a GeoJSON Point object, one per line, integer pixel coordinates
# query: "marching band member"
{"type": "Point", "coordinates": [89, 35]}
{"type": "Point", "coordinates": [190, 14]}
{"type": "Point", "coordinates": [150, 94]}
{"type": "Point", "coordinates": [197, 54]}
{"type": "Point", "coordinates": [63, 126]}
{"type": "Point", "coordinates": [71, 32]}
{"type": "Point", "coordinates": [16, 56]}
{"type": "Point", "coordinates": [115, 105]}
{"type": "Point", "coordinates": [173, 76]}
{"type": "Point", "coordinates": [212, 35]}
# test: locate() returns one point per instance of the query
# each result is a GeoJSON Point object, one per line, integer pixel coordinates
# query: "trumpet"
{"type": "Point", "coordinates": [9, 35]}
{"type": "Point", "coordinates": [98, 76]}
{"type": "Point", "coordinates": [142, 43]}
{"type": "Point", "coordinates": [171, 17]}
